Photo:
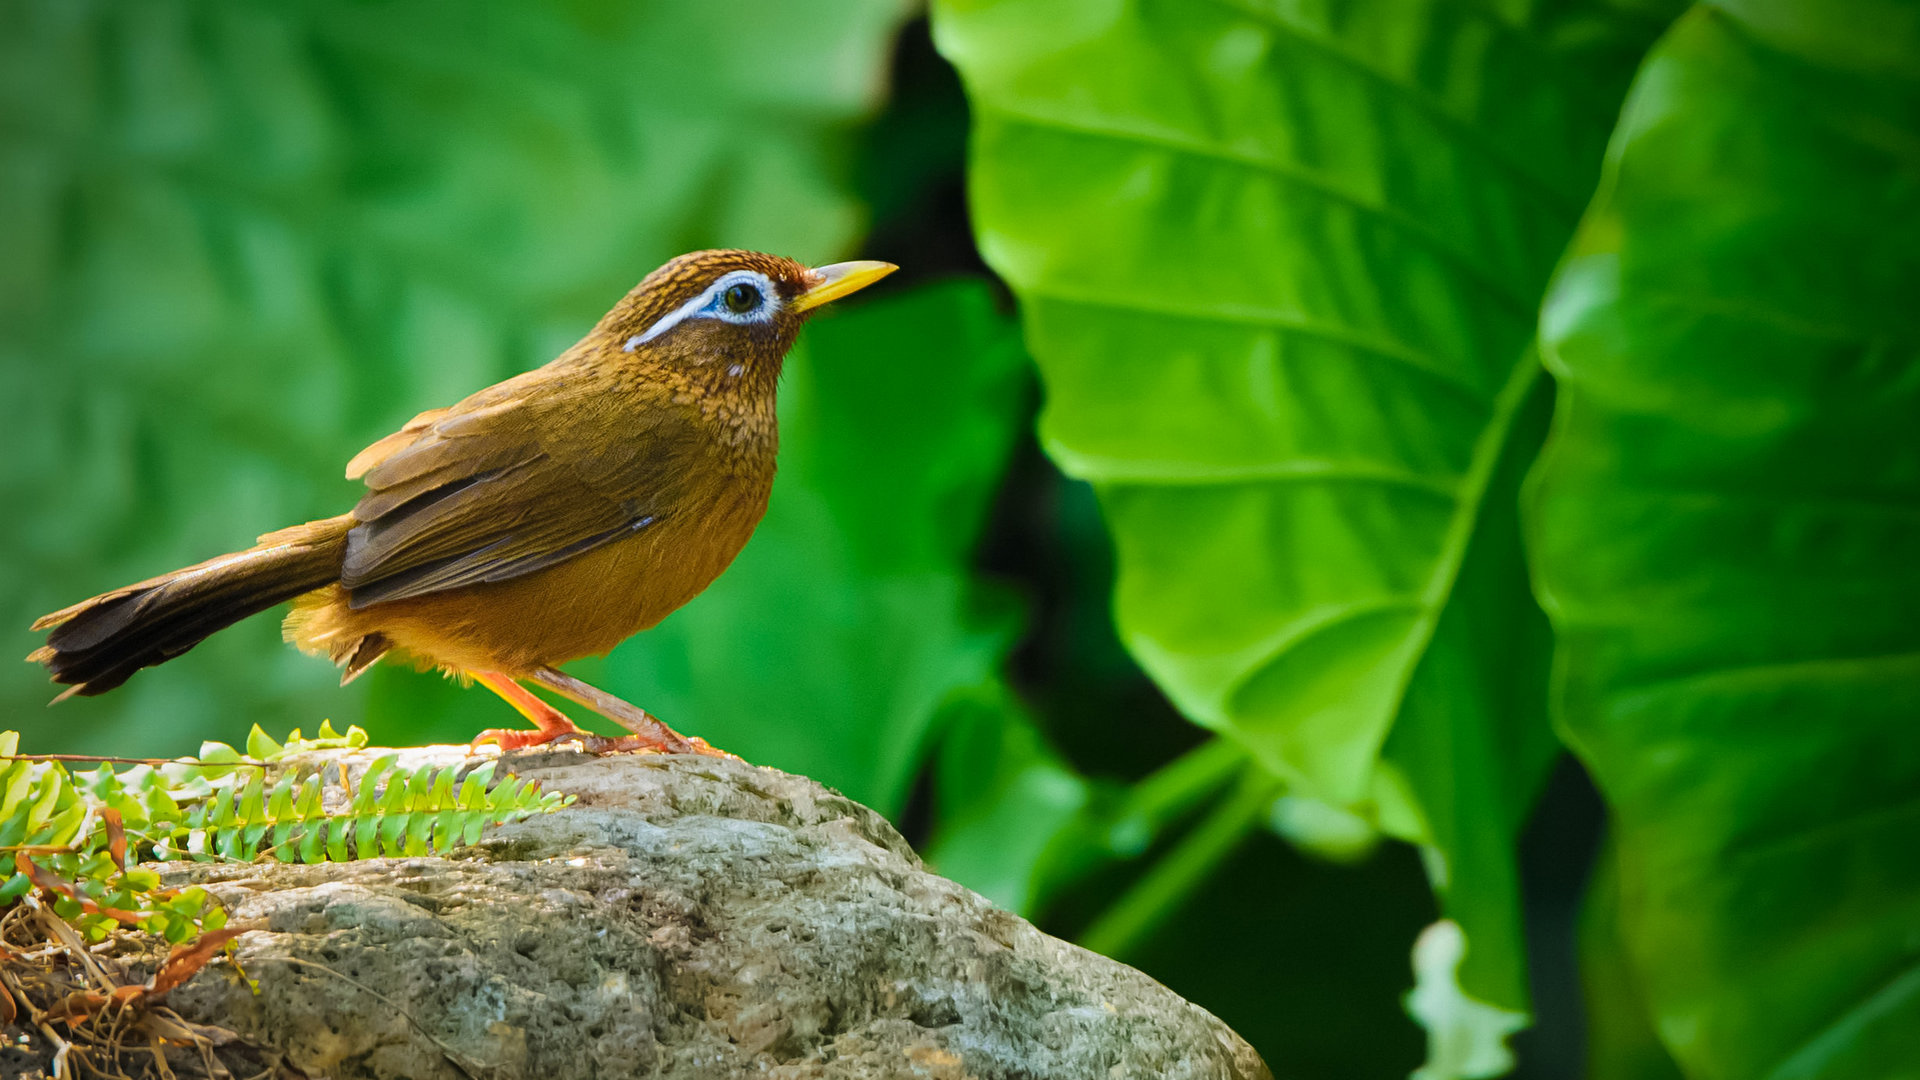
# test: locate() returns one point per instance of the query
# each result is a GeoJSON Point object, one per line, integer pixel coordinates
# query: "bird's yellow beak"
{"type": "Point", "coordinates": [837, 280]}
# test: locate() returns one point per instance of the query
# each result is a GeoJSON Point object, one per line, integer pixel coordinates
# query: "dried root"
{"type": "Point", "coordinates": [69, 1011]}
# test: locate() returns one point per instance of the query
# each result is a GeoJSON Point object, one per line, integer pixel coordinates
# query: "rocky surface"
{"type": "Point", "coordinates": [687, 917]}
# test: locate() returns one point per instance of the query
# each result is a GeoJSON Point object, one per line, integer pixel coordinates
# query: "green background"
{"type": "Point", "coordinates": [1295, 427]}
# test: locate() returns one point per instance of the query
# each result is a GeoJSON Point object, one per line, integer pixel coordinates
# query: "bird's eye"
{"type": "Point", "coordinates": [741, 298]}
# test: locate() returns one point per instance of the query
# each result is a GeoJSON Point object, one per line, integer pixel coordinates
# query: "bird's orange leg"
{"type": "Point", "coordinates": [550, 723]}
{"type": "Point", "coordinates": [648, 732]}
{"type": "Point", "coordinates": [553, 726]}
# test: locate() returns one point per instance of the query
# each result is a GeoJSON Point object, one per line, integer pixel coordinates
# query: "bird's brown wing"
{"type": "Point", "coordinates": [409, 433]}
{"type": "Point", "coordinates": [492, 489]}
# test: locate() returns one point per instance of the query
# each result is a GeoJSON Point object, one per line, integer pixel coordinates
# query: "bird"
{"type": "Point", "coordinates": [540, 520]}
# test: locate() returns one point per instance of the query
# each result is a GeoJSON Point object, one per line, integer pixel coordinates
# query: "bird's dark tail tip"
{"type": "Point", "coordinates": [98, 644]}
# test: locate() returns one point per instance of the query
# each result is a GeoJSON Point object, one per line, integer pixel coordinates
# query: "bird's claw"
{"type": "Point", "coordinates": [521, 738]}
{"type": "Point", "coordinates": [509, 739]}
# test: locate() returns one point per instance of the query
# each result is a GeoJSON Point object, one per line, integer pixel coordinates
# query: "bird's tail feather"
{"type": "Point", "coordinates": [97, 644]}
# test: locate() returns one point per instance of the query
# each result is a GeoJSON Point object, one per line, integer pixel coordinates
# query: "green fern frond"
{"type": "Point", "coordinates": [71, 830]}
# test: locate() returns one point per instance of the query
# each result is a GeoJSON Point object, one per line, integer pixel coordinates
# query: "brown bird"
{"type": "Point", "coordinates": [543, 519]}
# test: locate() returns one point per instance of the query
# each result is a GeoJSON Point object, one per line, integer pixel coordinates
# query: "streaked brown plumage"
{"type": "Point", "coordinates": [540, 520]}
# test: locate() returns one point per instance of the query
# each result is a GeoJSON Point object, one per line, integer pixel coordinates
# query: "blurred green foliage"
{"type": "Point", "coordinates": [1726, 529]}
{"type": "Point", "coordinates": [1282, 267]}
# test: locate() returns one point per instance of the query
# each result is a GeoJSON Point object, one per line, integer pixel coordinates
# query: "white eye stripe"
{"type": "Point", "coordinates": [705, 306]}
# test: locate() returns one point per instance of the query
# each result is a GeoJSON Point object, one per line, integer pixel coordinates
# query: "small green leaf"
{"type": "Point", "coordinates": [221, 809]}
{"type": "Point", "coordinates": [97, 865]}
{"type": "Point", "coordinates": [60, 831]}
{"type": "Point", "coordinates": [447, 826]}
{"type": "Point", "coordinates": [393, 828]}
{"type": "Point", "coordinates": [393, 798]}
{"type": "Point", "coordinates": [419, 829]}
{"type": "Point", "coordinates": [282, 833]}
{"type": "Point", "coordinates": [15, 888]}
{"type": "Point", "coordinates": [253, 798]}
{"type": "Point", "coordinates": [310, 803]}
{"type": "Point", "coordinates": [441, 797]}
{"type": "Point", "coordinates": [216, 760]}
{"type": "Point", "coordinates": [15, 782]}
{"type": "Point", "coordinates": [186, 782]}
{"type": "Point", "coordinates": [261, 745]}
{"type": "Point", "coordinates": [280, 801]}
{"type": "Point", "coordinates": [366, 836]}
{"type": "Point", "coordinates": [53, 783]}
{"type": "Point", "coordinates": [159, 805]}
{"type": "Point", "coordinates": [100, 783]}
{"type": "Point", "coordinates": [364, 795]}
{"type": "Point", "coordinates": [505, 797]}
{"type": "Point", "coordinates": [229, 844]}
{"type": "Point", "coordinates": [313, 835]}
{"type": "Point", "coordinates": [420, 789]}
{"type": "Point", "coordinates": [473, 790]}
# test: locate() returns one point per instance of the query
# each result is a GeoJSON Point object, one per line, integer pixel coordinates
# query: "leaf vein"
{"type": "Point", "coordinates": [1772, 671]}
{"type": "Point", "coordinates": [1410, 359]}
{"type": "Point", "coordinates": [1421, 99]}
{"type": "Point", "coordinates": [1282, 471]}
{"type": "Point", "coordinates": [1302, 179]}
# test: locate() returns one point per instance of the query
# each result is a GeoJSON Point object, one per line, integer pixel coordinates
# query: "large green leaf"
{"type": "Point", "coordinates": [1726, 532]}
{"type": "Point", "coordinates": [243, 240]}
{"type": "Point", "coordinates": [1279, 264]}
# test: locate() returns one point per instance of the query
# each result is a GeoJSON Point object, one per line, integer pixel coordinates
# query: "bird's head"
{"type": "Point", "coordinates": [728, 315]}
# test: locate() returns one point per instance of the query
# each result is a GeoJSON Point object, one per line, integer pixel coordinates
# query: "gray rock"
{"type": "Point", "coordinates": [687, 917]}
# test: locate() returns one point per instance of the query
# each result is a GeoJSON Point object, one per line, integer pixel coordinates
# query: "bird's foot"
{"type": "Point", "coordinates": [524, 739]}
{"type": "Point", "coordinates": [588, 742]}
{"type": "Point", "coordinates": [552, 726]}
{"type": "Point", "coordinates": [672, 742]}
{"type": "Point", "coordinates": [648, 732]}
